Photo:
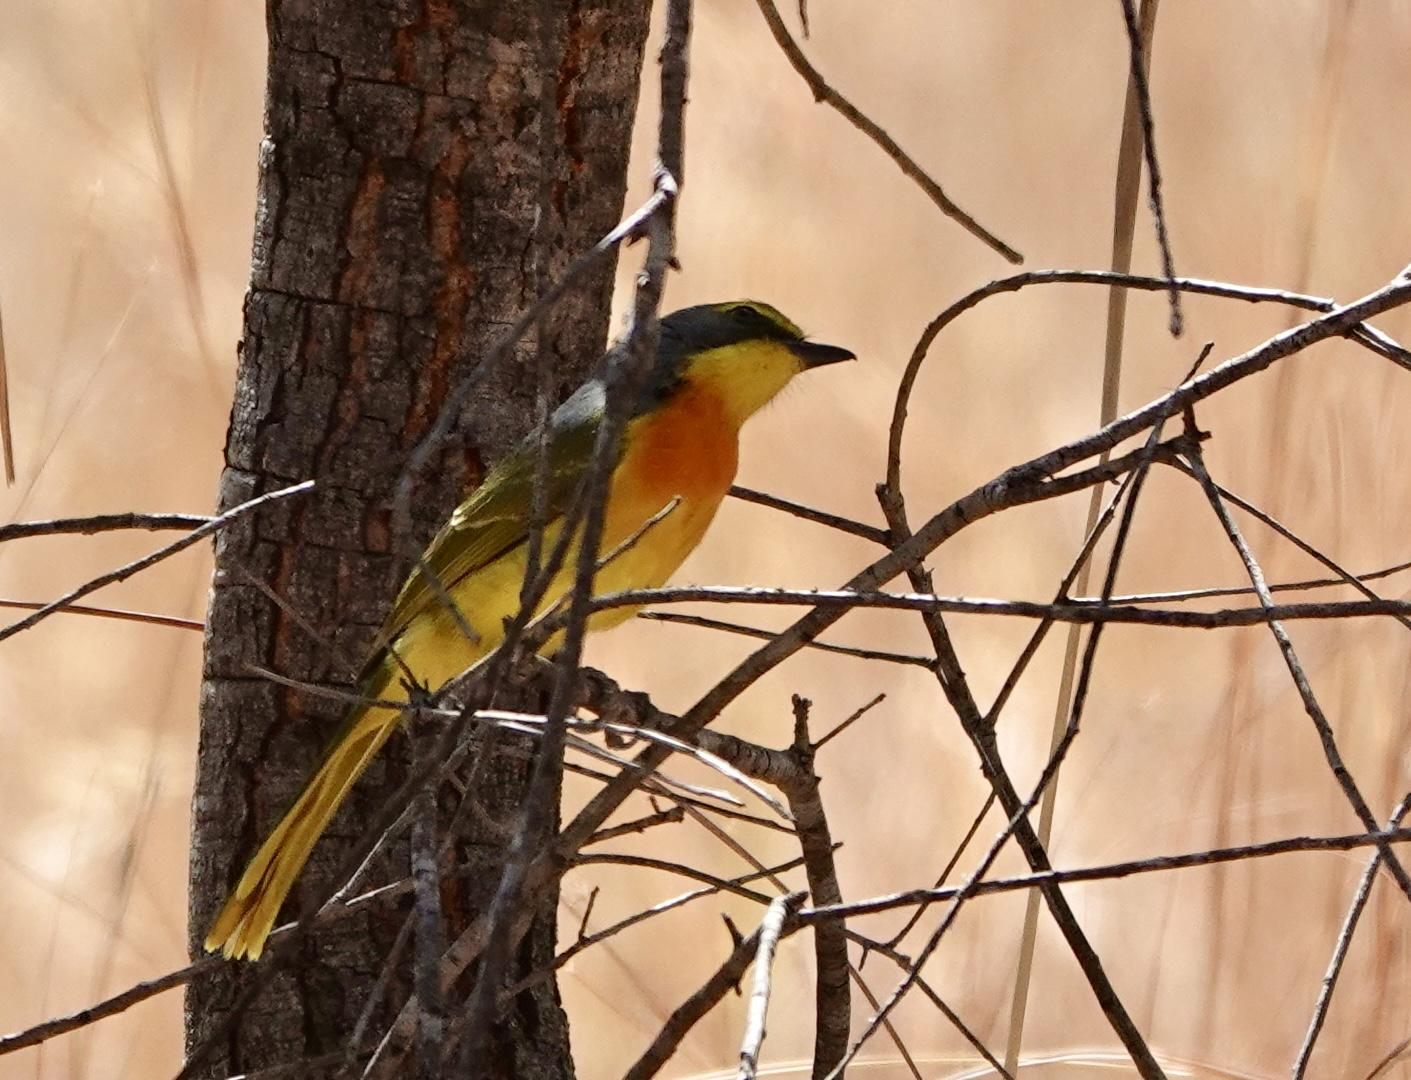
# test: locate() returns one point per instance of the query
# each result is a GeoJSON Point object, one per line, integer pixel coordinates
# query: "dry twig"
{"type": "Point", "coordinates": [770, 930]}
{"type": "Point", "coordinates": [96, 523]}
{"type": "Point", "coordinates": [1314, 710]}
{"type": "Point", "coordinates": [1344, 942]}
{"type": "Point", "coordinates": [122, 573]}
{"type": "Point", "coordinates": [1112, 871]}
{"type": "Point", "coordinates": [889, 146]}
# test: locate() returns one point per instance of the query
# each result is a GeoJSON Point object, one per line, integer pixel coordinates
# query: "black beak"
{"type": "Point", "coordinates": [813, 354]}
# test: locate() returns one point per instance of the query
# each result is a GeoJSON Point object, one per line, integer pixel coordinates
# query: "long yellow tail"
{"type": "Point", "coordinates": [249, 913]}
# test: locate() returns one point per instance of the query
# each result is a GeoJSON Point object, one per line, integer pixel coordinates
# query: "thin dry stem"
{"type": "Point", "coordinates": [889, 146]}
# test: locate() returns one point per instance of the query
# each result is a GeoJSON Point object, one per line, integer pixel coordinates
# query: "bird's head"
{"type": "Point", "coordinates": [743, 351]}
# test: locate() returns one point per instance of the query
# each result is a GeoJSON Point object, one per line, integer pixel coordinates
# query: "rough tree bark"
{"type": "Point", "coordinates": [411, 203]}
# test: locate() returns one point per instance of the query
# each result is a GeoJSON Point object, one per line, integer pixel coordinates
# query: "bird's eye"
{"type": "Point", "coordinates": [747, 316]}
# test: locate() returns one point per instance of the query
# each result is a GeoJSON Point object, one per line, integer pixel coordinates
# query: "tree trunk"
{"type": "Point", "coordinates": [413, 199]}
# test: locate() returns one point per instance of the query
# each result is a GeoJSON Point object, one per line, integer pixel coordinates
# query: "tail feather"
{"type": "Point", "coordinates": [249, 913]}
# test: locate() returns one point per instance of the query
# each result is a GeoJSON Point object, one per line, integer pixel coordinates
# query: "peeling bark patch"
{"type": "Point", "coordinates": [578, 43]}
{"type": "Point", "coordinates": [444, 218]}
{"type": "Point", "coordinates": [422, 49]}
{"type": "Point", "coordinates": [377, 530]}
{"type": "Point", "coordinates": [362, 232]}
{"type": "Point", "coordinates": [348, 411]}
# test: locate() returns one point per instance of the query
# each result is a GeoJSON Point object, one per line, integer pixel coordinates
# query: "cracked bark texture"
{"type": "Point", "coordinates": [411, 203]}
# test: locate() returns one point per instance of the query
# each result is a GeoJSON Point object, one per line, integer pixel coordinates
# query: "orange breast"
{"type": "Point", "coordinates": [689, 447]}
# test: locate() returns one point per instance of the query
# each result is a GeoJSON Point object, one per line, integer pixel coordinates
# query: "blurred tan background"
{"type": "Point", "coordinates": [130, 133]}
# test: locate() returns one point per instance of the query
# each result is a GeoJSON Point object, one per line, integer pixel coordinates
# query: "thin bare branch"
{"type": "Point", "coordinates": [1112, 871]}
{"type": "Point", "coordinates": [122, 573]}
{"type": "Point", "coordinates": [1077, 569]}
{"type": "Point", "coordinates": [808, 513]}
{"type": "Point", "coordinates": [587, 914]}
{"type": "Point", "coordinates": [1077, 610]}
{"type": "Point", "coordinates": [760, 634]}
{"type": "Point", "coordinates": [586, 942]}
{"type": "Point", "coordinates": [1344, 942]}
{"type": "Point", "coordinates": [847, 722]}
{"type": "Point", "coordinates": [1075, 679]}
{"type": "Point", "coordinates": [375, 997]}
{"type": "Point", "coordinates": [672, 815]}
{"type": "Point", "coordinates": [1397, 1053]}
{"type": "Point", "coordinates": [133, 995]}
{"type": "Point", "coordinates": [1017, 826]}
{"type": "Point", "coordinates": [1139, 39]}
{"type": "Point", "coordinates": [686, 1015]}
{"type": "Point", "coordinates": [140, 991]}
{"type": "Point", "coordinates": [1346, 576]}
{"type": "Point", "coordinates": [832, 1001]}
{"type": "Point", "coordinates": [770, 929]}
{"type": "Point", "coordinates": [97, 523]}
{"type": "Point", "coordinates": [352, 666]}
{"type": "Point", "coordinates": [887, 1026]}
{"type": "Point", "coordinates": [955, 687]}
{"type": "Point", "coordinates": [120, 614]}
{"type": "Point", "coordinates": [1186, 595]}
{"type": "Point", "coordinates": [963, 1028]}
{"type": "Point", "coordinates": [715, 882]}
{"type": "Point", "coordinates": [651, 786]}
{"type": "Point", "coordinates": [261, 978]}
{"type": "Point", "coordinates": [430, 936]}
{"type": "Point", "coordinates": [975, 822]}
{"type": "Point", "coordinates": [706, 753]}
{"type": "Point", "coordinates": [889, 146]}
{"type": "Point", "coordinates": [6, 436]}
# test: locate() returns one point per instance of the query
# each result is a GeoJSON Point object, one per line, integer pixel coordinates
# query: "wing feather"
{"type": "Point", "coordinates": [496, 517]}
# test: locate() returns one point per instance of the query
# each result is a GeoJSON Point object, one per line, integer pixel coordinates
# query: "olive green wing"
{"type": "Point", "coordinates": [496, 517]}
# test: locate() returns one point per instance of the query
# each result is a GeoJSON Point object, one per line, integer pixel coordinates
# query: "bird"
{"type": "Point", "coordinates": [716, 366]}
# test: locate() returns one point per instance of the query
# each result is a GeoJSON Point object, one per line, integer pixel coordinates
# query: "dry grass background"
{"type": "Point", "coordinates": [130, 131]}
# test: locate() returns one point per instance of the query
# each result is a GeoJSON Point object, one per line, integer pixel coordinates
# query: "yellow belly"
{"type": "Point", "coordinates": [688, 449]}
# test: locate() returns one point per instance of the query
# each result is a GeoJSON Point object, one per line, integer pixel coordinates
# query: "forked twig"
{"type": "Point", "coordinates": [1324, 729]}
{"type": "Point", "coordinates": [686, 1015]}
{"type": "Point", "coordinates": [122, 573]}
{"type": "Point", "coordinates": [1344, 942]}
